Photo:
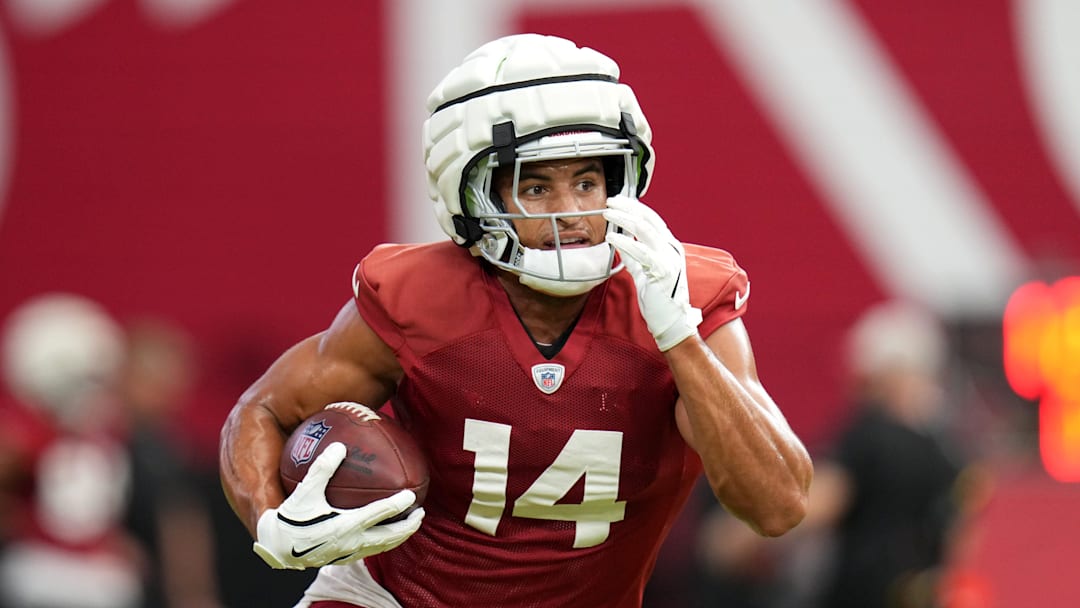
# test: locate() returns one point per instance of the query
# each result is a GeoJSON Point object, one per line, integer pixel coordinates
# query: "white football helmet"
{"type": "Point", "coordinates": [528, 98]}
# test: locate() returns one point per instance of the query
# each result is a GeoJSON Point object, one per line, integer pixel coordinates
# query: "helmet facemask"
{"type": "Point", "coordinates": [559, 271]}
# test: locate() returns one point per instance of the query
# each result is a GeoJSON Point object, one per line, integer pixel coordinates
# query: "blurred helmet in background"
{"type": "Point", "coordinates": [60, 350]}
{"type": "Point", "coordinates": [898, 354]}
{"type": "Point", "coordinates": [896, 335]}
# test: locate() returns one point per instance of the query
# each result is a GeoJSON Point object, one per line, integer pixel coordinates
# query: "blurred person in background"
{"type": "Point", "coordinates": [63, 471]}
{"type": "Point", "coordinates": [166, 512]}
{"type": "Point", "coordinates": [737, 569]}
{"type": "Point", "coordinates": [884, 496]}
{"type": "Point", "coordinates": [889, 488]}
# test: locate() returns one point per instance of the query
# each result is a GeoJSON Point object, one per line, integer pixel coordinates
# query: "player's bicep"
{"type": "Point", "coordinates": [357, 365]}
{"type": "Point", "coordinates": [346, 362]}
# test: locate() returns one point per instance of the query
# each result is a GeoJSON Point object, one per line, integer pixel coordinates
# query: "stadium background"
{"type": "Point", "coordinates": [224, 163]}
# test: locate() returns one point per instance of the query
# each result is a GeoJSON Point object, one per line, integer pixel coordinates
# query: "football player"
{"type": "Point", "coordinates": [568, 365]}
{"type": "Point", "coordinates": [64, 474]}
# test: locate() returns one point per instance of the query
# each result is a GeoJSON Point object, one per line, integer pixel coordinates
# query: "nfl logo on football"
{"type": "Point", "coordinates": [305, 446]}
{"type": "Point", "coordinates": [548, 377]}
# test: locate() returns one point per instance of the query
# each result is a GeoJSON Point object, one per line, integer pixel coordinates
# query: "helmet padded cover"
{"type": "Point", "coordinates": [459, 129]}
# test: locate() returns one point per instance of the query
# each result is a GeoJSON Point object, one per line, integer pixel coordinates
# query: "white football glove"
{"type": "Point", "coordinates": [306, 532]}
{"type": "Point", "coordinates": [657, 262]}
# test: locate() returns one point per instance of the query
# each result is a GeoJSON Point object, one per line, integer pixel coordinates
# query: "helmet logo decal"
{"type": "Point", "coordinates": [548, 376]}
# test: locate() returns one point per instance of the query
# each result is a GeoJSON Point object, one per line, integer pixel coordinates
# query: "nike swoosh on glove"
{"type": "Point", "coordinates": [307, 532]}
{"type": "Point", "coordinates": [657, 262]}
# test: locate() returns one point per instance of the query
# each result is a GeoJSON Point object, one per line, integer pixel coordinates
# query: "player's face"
{"type": "Point", "coordinates": [557, 186]}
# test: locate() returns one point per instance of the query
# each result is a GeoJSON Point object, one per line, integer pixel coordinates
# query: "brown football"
{"type": "Point", "coordinates": [382, 458]}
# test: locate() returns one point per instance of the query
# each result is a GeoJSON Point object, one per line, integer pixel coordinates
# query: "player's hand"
{"type": "Point", "coordinates": [657, 262]}
{"type": "Point", "coordinates": [306, 532]}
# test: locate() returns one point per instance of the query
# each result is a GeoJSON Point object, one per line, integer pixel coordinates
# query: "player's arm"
{"type": "Point", "coordinates": [757, 467]}
{"type": "Point", "coordinates": [347, 362]}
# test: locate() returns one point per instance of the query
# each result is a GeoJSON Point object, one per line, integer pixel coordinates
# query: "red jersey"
{"type": "Point", "coordinates": [553, 481]}
{"type": "Point", "coordinates": [68, 486]}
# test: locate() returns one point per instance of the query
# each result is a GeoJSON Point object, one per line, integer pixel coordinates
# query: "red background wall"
{"type": "Point", "coordinates": [227, 175]}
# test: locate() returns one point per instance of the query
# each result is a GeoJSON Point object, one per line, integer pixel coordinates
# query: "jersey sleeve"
{"type": "Point", "coordinates": [718, 286]}
{"type": "Point", "coordinates": [395, 291]}
{"type": "Point", "coordinates": [368, 283]}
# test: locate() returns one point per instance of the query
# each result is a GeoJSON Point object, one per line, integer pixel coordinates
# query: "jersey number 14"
{"type": "Point", "coordinates": [596, 455]}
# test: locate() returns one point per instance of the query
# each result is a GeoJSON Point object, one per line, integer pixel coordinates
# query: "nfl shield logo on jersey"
{"type": "Point", "coordinates": [309, 440]}
{"type": "Point", "coordinates": [548, 376]}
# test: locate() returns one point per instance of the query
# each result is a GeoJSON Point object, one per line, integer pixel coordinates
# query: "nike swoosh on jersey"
{"type": "Point", "coordinates": [741, 299]}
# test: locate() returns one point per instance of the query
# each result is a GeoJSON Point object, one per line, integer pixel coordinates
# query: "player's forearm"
{"type": "Point", "coordinates": [251, 443]}
{"type": "Point", "coordinates": [754, 462]}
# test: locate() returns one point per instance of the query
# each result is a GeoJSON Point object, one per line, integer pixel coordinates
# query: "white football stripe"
{"type": "Point", "coordinates": [1050, 51]}
{"type": "Point", "coordinates": [890, 179]}
{"type": "Point", "coordinates": [428, 38]}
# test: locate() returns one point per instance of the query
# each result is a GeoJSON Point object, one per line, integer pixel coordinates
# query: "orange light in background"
{"type": "Point", "coordinates": [1041, 331]}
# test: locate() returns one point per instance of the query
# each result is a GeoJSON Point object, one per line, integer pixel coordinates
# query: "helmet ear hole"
{"type": "Point", "coordinates": [614, 174]}
{"type": "Point", "coordinates": [498, 179]}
